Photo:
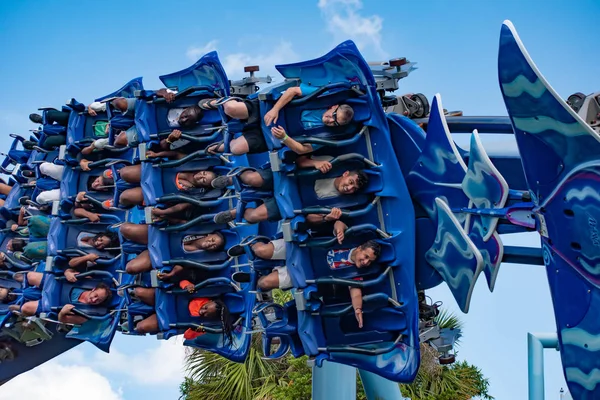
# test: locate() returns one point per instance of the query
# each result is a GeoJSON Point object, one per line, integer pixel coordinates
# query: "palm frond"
{"type": "Point", "coordinates": [449, 320]}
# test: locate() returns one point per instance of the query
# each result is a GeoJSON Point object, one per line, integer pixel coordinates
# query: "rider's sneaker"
{"type": "Point", "coordinates": [220, 182]}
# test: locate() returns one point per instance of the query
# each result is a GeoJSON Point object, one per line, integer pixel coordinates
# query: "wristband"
{"type": "Point", "coordinates": [358, 309]}
{"type": "Point", "coordinates": [168, 141]}
{"type": "Point", "coordinates": [286, 137]}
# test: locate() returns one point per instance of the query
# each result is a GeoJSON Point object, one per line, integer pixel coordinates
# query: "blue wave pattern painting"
{"type": "Point", "coordinates": [440, 170]}
{"type": "Point", "coordinates": [560, 158]}
{"type": "Point", "coordinates": [455, 256]}
{"type": "Point", "coordinates": [484, 185]}
{"type": "Point", "coordinates": [402, 361]}
{"type": "Point", "coordinates": [491, 250]}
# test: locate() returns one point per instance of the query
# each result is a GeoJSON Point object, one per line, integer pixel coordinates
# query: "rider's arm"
{"type": "Point", "coordinates": [306, 162]}
{"type": "Point", "coordinates": [83, 213]}
{"type": "Point", "coordinates": [297, 147]}
{"type": "Point", "coordinates": [76, 262]}
{"type": "Point", "coordinates": [316, 219]}
{"type": "Point", "coordinates": [177, 208]}
{"type": "Point", "coordinates": [286, 97]}
{"type": "Point", "coordinates": [67, 316]}
{"type": "Point", "coordinates": [170, 154]}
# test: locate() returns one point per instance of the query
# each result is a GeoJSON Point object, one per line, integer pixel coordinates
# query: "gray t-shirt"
{"type": "Point", "coordinates": [130, 112]}
{"type": "Point", "coordinates": [325, 188]}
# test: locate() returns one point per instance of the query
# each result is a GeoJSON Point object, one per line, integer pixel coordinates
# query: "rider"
{"type": "Point", "coordinates": [252, 140]}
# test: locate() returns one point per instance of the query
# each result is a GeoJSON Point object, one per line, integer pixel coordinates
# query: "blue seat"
{"type": "Point", "coordinates": [102, 321]}
{"type": "Point", "coordinates": [294, 191]}
{"type": "Point", "coordinates": [158, 179]}
{"type": "Point", "coordinates": [15, 155]}
{"type": "Point", "coordinates": [75, 180]}
{"type": "Point", "coordinates": [23, 291]}
{"type": "Point", "coordinates": [174, 317]}
{"type": "Point", "coordinates": [166, 250]}
{"type": "Point", "coordinates": [11, 206]}
{"type": "Point", "coordinates": [205, 79]}
{"type": "Point", "coordinates": [64, 242]}
{"type": "Point", "coordinates": [319, 98]}
{"type": "Point", "coordinates": [280, 322]}
{"type": "Point", "coordinates": [48, 128]}
{"type": "Point", "coordinates": [11, 262]}
{"type": "Point", "coordinates": [82, 129]}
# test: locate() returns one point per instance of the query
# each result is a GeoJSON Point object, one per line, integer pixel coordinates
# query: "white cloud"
{"type": "Point", "coordinates": [161, 364]}
{"type": "Point", "coordinates": [344, 21]}
{"type": "Point", "coordinates": [195, 52]}
{"type": "Point", "coordinates": [282, 53]}
{"type": "Point", "coordinates": [54, 381]}
{"type": "Point", "coordinates": [233, 63]}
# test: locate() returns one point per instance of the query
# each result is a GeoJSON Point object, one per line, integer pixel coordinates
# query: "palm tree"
{"type": "Point", "coordinates": [214, 377]}
{"type": "Point", "coordinates": [459, 381]}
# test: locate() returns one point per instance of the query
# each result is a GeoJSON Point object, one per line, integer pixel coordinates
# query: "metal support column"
{"type": "Point", "coordinates": [380, 388]}
{"type": "Point", "coordinates": [334, 381]}
{"type": "Point", "coordinates": [536, 343]}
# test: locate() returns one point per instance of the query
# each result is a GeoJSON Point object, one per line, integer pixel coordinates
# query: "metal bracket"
{"type": "Point", "coordinates": [288, 232]}
{"type": "Point", "coordinates": [248, 85]}
{"type": "Point", "coordinates": [275, 161]}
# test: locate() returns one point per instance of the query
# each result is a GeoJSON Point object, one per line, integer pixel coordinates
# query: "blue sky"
{"type": "Point", "coordinates": [54, 51]}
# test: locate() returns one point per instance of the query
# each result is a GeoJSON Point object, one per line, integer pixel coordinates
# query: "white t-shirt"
{"type": "Point", "coordinates": [100, 144]}
{"type": "Point", "coordinates": [173, 117]}
{"type": "Point", "coordinates": [325, 188]}
{"type": "Point", "coordinates": [101, 106]}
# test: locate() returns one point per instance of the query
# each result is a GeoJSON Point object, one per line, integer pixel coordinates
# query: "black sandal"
{"type": "Point", "coordinates": [205, 104]}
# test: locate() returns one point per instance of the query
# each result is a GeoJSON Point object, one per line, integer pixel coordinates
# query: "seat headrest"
{"type": "Point", "coordinates": [234, 302]}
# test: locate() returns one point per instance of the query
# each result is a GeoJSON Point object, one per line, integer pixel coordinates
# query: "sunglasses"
{"type": "Point", "coordinates": [334, 116]}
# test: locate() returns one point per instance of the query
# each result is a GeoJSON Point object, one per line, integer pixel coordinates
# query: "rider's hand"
{"type": "Point", "coordinates": [169, 97]}
{"type": "Point", "coordinates": [334, 215]}
{"type": "Point", "coordinates": [84, 164]}
{"type": "Point", "coordinates": [91, 112]}
{"type": "Point", "coordinates": [323, 166]}
{"type": "Point", "coordinates": [271, 117]}
{"type": "Point", "coordinates": [80, 197]}
{"type": "Point", "coordinates": [278, 132]}
{"type": "Point", "coordinates": [359, 317]}
{"type": "Point", "coordinates": [340, 228]}
{"type": "Point", "coordinates": [71, 276]}
{"type": "Point", "coordinates": [174, 136]}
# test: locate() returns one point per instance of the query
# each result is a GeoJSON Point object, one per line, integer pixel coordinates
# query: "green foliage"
{"type": "Point", "coordinates": [282, 296]}
{"type": "Point", "coordinates": [460, 381]}
{"type": "Point", "coordinates": [219, 378]}
{"type": "Point", "coordinates": [296, 381]}
{"type": "Point", "coordinates": [447, 320]}
{"type": "Point", "coordinates": [212, 377]}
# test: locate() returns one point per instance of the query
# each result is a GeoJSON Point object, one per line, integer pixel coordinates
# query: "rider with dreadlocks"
{"type": "Point", "coordinates": [205, 308]}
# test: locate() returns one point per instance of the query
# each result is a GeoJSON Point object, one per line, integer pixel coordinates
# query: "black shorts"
{"type": "Point", "coordinates": [273, 214]}
{"type": "Point", "coordinates": [267, 177]}
{"type": "Point", "coordinates": [191, 274]}
{"type": "Point", "coordinates": [256, 141]}
{"type": "Point", "coordinates": [253, 107]}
